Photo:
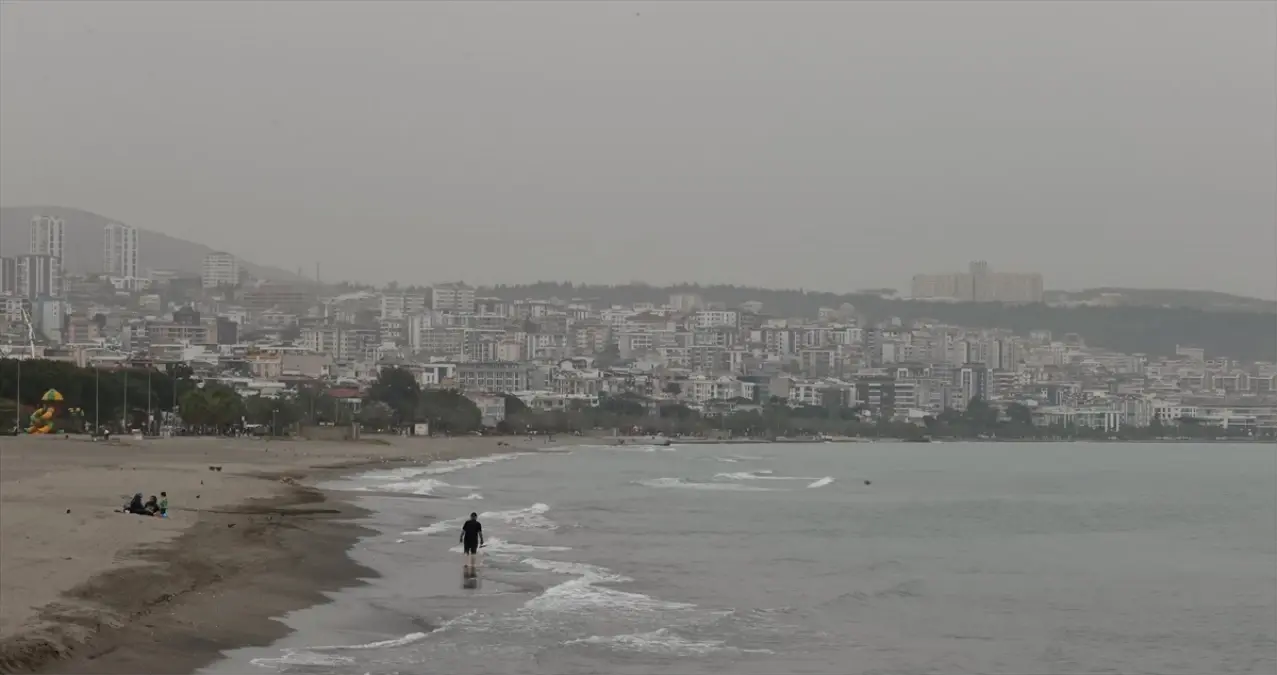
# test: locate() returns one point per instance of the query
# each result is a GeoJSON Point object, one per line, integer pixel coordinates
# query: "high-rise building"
{"type": "Point", "coordinates": [38, 276]}
{"type": "Point", "coordinates": [457, 298]}
{"type": "Point", "coordinates": [400, 305]}
{"type": "Point", "coordinates": [121, 254]}
{"type": "Point", "coordinates": [979, 284]}
{"type": "Point", "coordinates": [47, 236]}
{"type": "Point", "coordinates": [973, 381]}
{"type": "Point", "coordinates": [8, 276]}
{"type": "Point", "coordinates": [219, 269]}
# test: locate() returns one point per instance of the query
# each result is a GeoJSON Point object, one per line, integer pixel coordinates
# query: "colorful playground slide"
{"type": "Point", "coordinates": [43, 417]}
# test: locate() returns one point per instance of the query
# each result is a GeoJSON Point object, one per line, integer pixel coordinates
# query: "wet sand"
{"type": "Point", "coordinates": [85, 588]}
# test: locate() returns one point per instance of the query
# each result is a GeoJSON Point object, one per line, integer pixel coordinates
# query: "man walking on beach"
{"type": "Point", "coordinates": [471, 539]}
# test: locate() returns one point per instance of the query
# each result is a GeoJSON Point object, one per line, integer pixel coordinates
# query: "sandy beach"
{"type": "Point", "coordinates": [85, 588]}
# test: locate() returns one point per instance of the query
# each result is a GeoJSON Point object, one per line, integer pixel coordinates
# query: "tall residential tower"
{"type": "Point", "coordinates": [47, 236]}
{"type": "Point", "coordinates": [121, 254]}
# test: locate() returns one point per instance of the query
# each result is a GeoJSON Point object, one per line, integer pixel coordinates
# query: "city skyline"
{"type": "Point", "coordinates": [829, 145]}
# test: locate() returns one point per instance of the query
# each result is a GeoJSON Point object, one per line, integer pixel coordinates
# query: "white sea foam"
{"type": "Point", "coordinates": [436, 528]}
{"type": "Point", "coordinates": [822, 482]}
{"type": "Point", "coordinates": [689, 485]}
{"type": "Point", "coordinates": [381, 644]}
{"type": "Point", "coordinates": [592, 572]}
{"type": "Point", "coordinates": [531, 518]}
{"type": "Point", "coordinates": [662, 641]}
{"type": "Point", "coordinates": [424, 486]}
{"type": "Point", "coordinates": [581, 595]}
{"type": "Point", "coordinates": [494, 545]}
{"type": "Point", "coordinates": [472, 496]}
{"type": "Point", "coordinates": [439, 468]}
{"type": "Point", "coordinates": [764, 474]}
{"type": "Point", "coordinates": [301, 657]}
{"type": "Point", "coordinates": [727, 460]}
{"type": "Point", "coordinates": [434, 468]}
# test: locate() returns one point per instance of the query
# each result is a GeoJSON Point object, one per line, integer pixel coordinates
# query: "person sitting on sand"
{"type": "Point", "coordinates": [135, 505]}
{"type": "Point", "coordinates": [152, 506]}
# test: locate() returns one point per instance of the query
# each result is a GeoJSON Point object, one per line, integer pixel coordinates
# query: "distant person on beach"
{"type": "Point", "coordinates": [152, 507]}
{"type": "Point", "coordinates": [471, 539]}
{"type": "Point", "coordinates": [164, 504]}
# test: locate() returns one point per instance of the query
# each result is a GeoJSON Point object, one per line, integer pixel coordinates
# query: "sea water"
{"type": "Point", "coordinates": [823, 558]}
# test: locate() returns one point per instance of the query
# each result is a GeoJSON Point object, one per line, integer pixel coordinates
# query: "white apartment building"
{"type": "Point", "coordinates": [38, 276]}
{"type": "Point", "coordinates": [701, 389]}
{"type": "Point", "coordinates": [400, 305]}
{"type": "Point", "coordinates": [456, 298]}
{"type": "Point", "coordinates": [219, 269]}
{"type": "Point", "coordinates": [120, 257]}
{"type": "Point", "coordinates": [686, 302]}
{"type": "Point", "coordinates": [47, 236]}
{"type": "Point", "coordinates": [716, 318]}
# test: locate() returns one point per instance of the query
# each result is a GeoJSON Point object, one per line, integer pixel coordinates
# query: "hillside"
{"type": "Point", "coordinates": [1164, 297]}
{"type": "Point", "coordinates": [85, 240]}
{"type": "Point", "coordinates": [1248, 336]}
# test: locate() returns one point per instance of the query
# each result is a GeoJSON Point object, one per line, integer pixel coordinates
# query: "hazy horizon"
{"type": "Point", "coordinates": [833, 146]}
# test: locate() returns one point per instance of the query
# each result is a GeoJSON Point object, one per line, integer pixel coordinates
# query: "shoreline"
{"type": "Point", "coordinates": [175, 593]}
{"type": "Point", "coordinates": [218, 586]}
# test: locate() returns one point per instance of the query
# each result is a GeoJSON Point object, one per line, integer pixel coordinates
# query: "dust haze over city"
{"type": "Point", "coordinates": [704, 337]}
{"type": "Point", "coordinates": [834, 146]}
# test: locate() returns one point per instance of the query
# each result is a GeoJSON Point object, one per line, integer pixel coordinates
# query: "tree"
{"type": "Point", "coordinates": [397, 388]}
{"type": "Point", "coordinates": [609, 357]}
{"type": "Point", "coordinates": [1020, 414]}
{"type": "Point", "coordinates": [213, 406]}
{"type": "Point", "coordinates": [449, 411]}
{"type": "Point", "coordinates": [99, 320]}
{"type": "Point", "coordinates": [376, 415]}
{"type": "Point", "coordinates": [513, 405]}
{"type": "Point", "coordinates": [625, 405]}
{"type": "Point", "coordinates": [279, 414]}
{"type": "Point", "coordinates": [672, 388]}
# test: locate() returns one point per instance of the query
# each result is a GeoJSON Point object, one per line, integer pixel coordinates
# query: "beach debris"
{"type": "Point", "coordinates": [68, 510]}
{"type": "Point", "coordinates": [214, 468]}
{"type": "Point", "coordinates": [868, 482]}
{"type": "Point", "coordinates": [230, 525]}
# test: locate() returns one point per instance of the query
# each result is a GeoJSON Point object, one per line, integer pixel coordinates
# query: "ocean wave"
{"type": "Point", "coordinates": [530, 518]}
{"type": "Point", "coordinates": [764, 474]}
{"type": "Point", "coordinates": [436, 527]}
{"type": "Point", "coordinates": [822, 482]}
{"type": "Point", "coordinates": [495, 545]}
{"type": "Point", "coordinates": [424, 487]}
{"type": "Point", "coordinates": [593, 572]}
{"type": "Point", "coordinates": [301, 657]}
{"type": "Point", "coordinates": [381, 644]}
{"type": "Point", "coordinates": [436, 468]}
{"type": "Point", "coordinates": [691, 485]}
{"type": "Point", "coordinates": [662, 641]}
{"type": "Point", "coordinates": [581, 595]}
{"type": "Point", "coordinates": [472, 496]}
{"type": "Point", "coordinates": [453, 465]}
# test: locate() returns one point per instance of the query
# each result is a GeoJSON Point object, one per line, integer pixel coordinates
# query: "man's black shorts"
{"type": "Point", "coordinates": [470, 547]}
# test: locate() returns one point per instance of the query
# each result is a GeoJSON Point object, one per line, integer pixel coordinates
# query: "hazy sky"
{"type": "Point", "coordinates": [833, 145]}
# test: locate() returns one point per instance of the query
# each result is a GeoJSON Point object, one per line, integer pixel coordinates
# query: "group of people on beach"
{"type": "Point", "coordinates": [153, 507]}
